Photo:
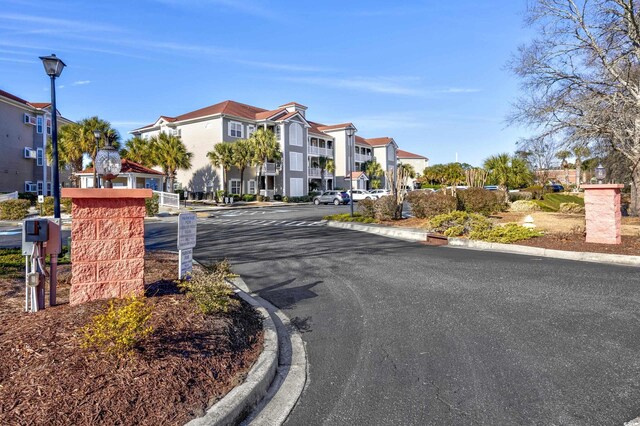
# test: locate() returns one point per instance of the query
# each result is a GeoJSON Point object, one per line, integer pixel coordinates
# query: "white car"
{"type": "Point", "coordinates": [379, 192]}
{"type": "Point", "coordinates": [361, 194]}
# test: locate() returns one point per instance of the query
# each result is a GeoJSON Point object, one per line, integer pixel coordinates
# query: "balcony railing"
{"type": "Point", "coordinates": [316, 150]}
{"type": "Point", "coordinates": [269, 169]}
{"type": "Point", "coordinates": [315, 172]}
{"type": "Point", "coordinates": [363, 158]}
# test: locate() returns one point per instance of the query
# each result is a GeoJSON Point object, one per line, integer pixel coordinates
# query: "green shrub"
{"type": "Point", "coordinates": [285, 199]}
{"type": "Point", "coordinates": [66, 205]}
{"type": "Point", "coordinates": [209, 291]}
{"type": "Point", "coordinates": [152, 205]}
{"type": "Point", "coordinates": [346, 217]}
{"type": "Point", "coordinates": [459, 223]}
{"type": "Point", "coordinates": [222, 268]}
{"type": "Point", "coordinates": [120, 328]}
{"type": "Point", "coordinates": [366, 208]}
{"type": "Point", "coordinates": [429, 204]}
{"type": "Point", "coordinates": [14, 209]}
{"type": "Point", "coordinates": [509, 233]}
{"type": "Point", "coordinates": [573, 208]}
{"type": "Point", "coordinates": [384, 208]}
{"type": "Point", "coordinates": [521, 195]}
{"type": "Point", "coordinates": [220, 193]}
{"type": "Point", "coordinates": [47, 206]}
{"type": "Point", "coordinates": [536, 191]}
{"type": "Point", "coordinates": [524, 206]}
{"type": "Point", "coordinates": [478, 200]}
{"type": "Point", "coordinates": [249, 197]}
{"type": "Point", "coordinates": [260, 198]}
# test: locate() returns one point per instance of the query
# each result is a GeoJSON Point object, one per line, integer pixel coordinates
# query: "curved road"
{"type": "Point", "coordinates": [403, 333]}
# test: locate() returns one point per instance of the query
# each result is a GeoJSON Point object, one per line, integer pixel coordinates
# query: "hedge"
{"type": "Point", "coordinates": [14, 209]}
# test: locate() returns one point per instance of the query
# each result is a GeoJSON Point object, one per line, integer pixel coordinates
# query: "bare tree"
{"type": "Point", "coordinates": [540, 153]}
{"type": "Point", "coordinates": [397, 182]}
{"type": "Point", "coordinates": [581, 76]}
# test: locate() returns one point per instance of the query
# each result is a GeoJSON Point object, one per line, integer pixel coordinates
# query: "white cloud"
{"type": "Point", "coordinates": [19, 61]}
{"type": "Point", "coordinates": [55, 25]}
{"type": "Point", "coordinates": [81, 82]}
{"type": "Point", "coordinates": [376, 85]}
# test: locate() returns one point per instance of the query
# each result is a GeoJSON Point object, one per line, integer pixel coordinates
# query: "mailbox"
{"type": "Point", "coordinates": [36, 230]}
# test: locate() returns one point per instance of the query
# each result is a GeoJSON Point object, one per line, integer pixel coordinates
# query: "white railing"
{"type": "Point", "coordinates": [9, 196]}
{"type": "Point", "coordinates": [167, 199]}
{"type": "Point", "coordinates": [363, 158]}
{"type": "Point", "coordinates": [268, 192]}
{"type": "Point", "coordinates": [316, 150]}
{"type": "Point", "coordinates": [316, 172]}
{"type": "Point", "coordinates": [269, 168]}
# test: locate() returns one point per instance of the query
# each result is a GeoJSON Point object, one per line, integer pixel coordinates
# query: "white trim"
{"type": "Point", "coordinates": [39, 156]}
{"type": "Point", "coordinates": [295, 162]}
{"type": "Point", "coordinates": [249, 185]}
{"type": "Point", "coordinates": [239, 186]}
{"type": "Point", "coordinates": [296, 134]}
{"type": "Point", "coordinates": [233, 127]}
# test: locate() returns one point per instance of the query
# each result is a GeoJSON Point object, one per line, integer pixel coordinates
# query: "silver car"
{"type": "Point", "coordinates": [335, 197]}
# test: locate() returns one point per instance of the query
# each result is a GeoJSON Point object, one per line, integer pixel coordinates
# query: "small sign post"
{"type": "Point", "coordinates": [186, 242]}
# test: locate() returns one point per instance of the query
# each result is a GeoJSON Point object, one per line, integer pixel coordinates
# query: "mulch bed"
{"type": "Point", "coordinates": [576, 242]}
{"type": "Point", "coordinates": [188, 363]}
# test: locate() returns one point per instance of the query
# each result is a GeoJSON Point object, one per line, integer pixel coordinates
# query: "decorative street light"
{"type": "Point", "coordinates": [108, 163]}
{"type": "Point", "coordinates": [601, 173]}
{"type": "Point", "coordinates": [352, 162]}
{"type": "Point", "coordinates": [53, 67]}
{"type": "Point", "coordinates": [96, 179]}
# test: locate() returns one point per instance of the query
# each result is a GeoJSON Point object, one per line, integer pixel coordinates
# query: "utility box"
{"type": "Point", "coordinates": [36, 230]}
{"type": "Point", "coordinates": [54, 243]}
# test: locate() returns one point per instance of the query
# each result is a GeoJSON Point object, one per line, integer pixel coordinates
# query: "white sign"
{"type": "Point", "coordinates": [185, 263]}
{"type": "Point", "coordinates": [41, 199]}
{"type": "Point", "coordinates": [186, 230]}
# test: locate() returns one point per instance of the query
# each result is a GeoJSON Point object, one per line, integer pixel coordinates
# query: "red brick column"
{"type": "Point", "coordinates": [602, 213]}
{"type": "Point", "coordinates": [107, 243]}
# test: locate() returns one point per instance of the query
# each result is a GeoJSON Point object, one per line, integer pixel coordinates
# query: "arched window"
{"type": "Point", "coordinates": [295, 134]}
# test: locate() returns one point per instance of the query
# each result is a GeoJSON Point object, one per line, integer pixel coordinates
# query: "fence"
{"type": "Point", "coordinates": [9, 196]}
{"type": "Point", "coordinates": [167, 199]}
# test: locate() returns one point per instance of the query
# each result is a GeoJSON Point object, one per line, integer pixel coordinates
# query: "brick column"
{"type": "Point", "coordinates": [602, 213]}
{"type": "Point", "coordinates": [107, 243]}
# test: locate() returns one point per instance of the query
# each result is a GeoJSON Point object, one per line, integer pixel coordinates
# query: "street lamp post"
{"type": "Point", "coordinates": [352, 163]}
{"type": "Point", "coordinates": [53, 67]}
{"type": "Point", "coordinates": [108, 164]}
{"type": "Point", "coordinates": [601, 173]}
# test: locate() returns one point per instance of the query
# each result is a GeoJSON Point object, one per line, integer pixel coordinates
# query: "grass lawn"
{"type": "Point", "coordinates": [12, 262]}
{"type": "Point", "coordinates": [551, 202]}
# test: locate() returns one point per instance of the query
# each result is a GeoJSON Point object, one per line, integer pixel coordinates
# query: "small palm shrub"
{"type": "Point", "coordinates": [458, 223]}
{"type": "Point", "coordinates": [209, 291]}
{"type": "Point", "coordinates": [118, 330]}
{"type": "Point", "coordinates": [367, 208]}
{"type": "Point", "coordinates": [524, 206]}
{"type": "Point", "coordinates": [430, 204]}
{"type": "Point", "coordinates": [509, 233]}
{"type": "Point", "coordinates": [152, 205]}
{"type": "Point", "coordinates": [14, 209]}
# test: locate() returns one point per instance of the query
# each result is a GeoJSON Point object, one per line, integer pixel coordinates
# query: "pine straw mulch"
{"type": "Point", "coordinates": [188, 363]}
{"type": "Point", "coordinates": [576, 242]}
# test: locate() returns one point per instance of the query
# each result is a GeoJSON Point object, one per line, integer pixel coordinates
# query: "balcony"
{"type": "Point", "coordinates": [316, 150]}
{"type": "Point", "coordinates": [269, 169]}
{"type": "Point", "coordinates": [315, 172]}
{"type": "Point", "coordinates": [363, 158]}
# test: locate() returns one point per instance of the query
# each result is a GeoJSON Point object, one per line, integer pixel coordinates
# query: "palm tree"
{"type": "Point", "coordinates": [69, 150]}
{"type": "Point", "coordinates": [408, 169]}
{"type": "Point", "coordinates": [243, 156]}
{"type": "Point", "coordinates": [87, 140]}
{"type": "Point", "coordinates": [170, 154]}
{"type": "Point", "coordinates": [325, 163]}
{"type": "Point", "coordinates": [580, 152]}
{"type": "Point", "coordinates": [374, 172]}
{"type": "Point", "coordinates": [562, 156]}
{"type": "Point", "coordinates": [265, 148]}
{"type": "Point", "coordinates": [222, 156]}
{"type": "Point", "coordinates": [139, 150]}
{"type": "Point", "coordinates": [505, 171]}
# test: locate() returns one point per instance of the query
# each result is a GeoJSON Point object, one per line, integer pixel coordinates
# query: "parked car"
{"type": "Point", "coordinates": [380, 192]}
{"type": "Point", "coordinates": [361, 194]}
{"type": "Point", "coordinates": [555, 187]}
{"type": "Point", "coordinates": [335, 197]}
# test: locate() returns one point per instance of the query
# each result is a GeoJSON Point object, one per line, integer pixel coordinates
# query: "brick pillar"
{"type": "Point", "coordinates": [602, 213]}
{"type": "Point", "coordinates": [107, 243]}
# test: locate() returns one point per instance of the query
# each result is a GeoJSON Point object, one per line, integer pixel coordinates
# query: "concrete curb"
{"type": "Point", "coordinates": [618, 259]}
{"type": "Point", "coordinates": [291, 376]}
{"type": "Point", "coordinates": [405, 234]}
{"type": "Point", "coordinates": [240, 401]}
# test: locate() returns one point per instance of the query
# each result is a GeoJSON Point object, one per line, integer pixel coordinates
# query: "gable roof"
{"type": "Point", "coordinates": [379, 141]}
{"type": "Point", "coordinates": [128, 166]}
{"type": "Point", "coordinates": [356, 175]}
{"type": "Point", "coordinates": [335, 126]}
{"type": "Point", "coordinates": [407, 154]}
{"type": "Point", "coordinates": [38, 105]}
{"type": "Point", "coordinates": [362, 141]}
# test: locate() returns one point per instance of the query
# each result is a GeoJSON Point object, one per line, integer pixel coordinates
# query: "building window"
{"type": "Point", "coordinates": [234, 186]}
{"type": "Point", "coordinates": [278, 135]}
{"type": "Point", "coordinates": [39, 126]}
{"type": "Point", "coordinates": [39, 156]}
{"type": "Point", "coordinates": [48, 188]}
{"type": "Point", "coordinates": [295, 187]}
{"type": "Point", "coordinates": [251, 129]}
{"type": "Point", "coordinates": [235, 129]}
{"type": "Point", "coordinates": [48, 126]}
{"type": "Point", "coordinates": [295, 134]}
{"type": "Point", "coordinates": [40, 187]}
{"type": "Point", "coordinates": [251, 186]}
{"type": "Point", "coordinates": [295, 162]}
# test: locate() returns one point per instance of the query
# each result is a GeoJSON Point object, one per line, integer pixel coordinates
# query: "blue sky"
{"type": "Point", "coordinates": [430, 74]}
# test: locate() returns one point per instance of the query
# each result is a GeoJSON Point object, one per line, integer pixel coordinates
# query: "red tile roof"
{"type": "Point", "coordinates": [335, 126]}
{"type": "Point", "coordinates": [293, 103]}
{"type": "Point", "coordinates": [227, 107]}
{"type": "Point", "coordinates": [40, 105]}
{"type": "Point", "coordinates": [406, 154]}
{"type": "Point", "coordinates": [355, 175]}
{"type": "Point", "coordinates": [268, 114]}
{"type": "Point", "coordinates": [362, 141]}
{"type": "Point", "coordinates": [288, 115]}
{"type": "Point", "coordinates": [379, 141]}
{"type": "Point", "coordinates": [129, 166]}
{"type": "Point", "coordinates": [22, 101]}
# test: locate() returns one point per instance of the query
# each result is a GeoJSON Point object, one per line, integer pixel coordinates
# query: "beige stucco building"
{"type": "Point", "coordinates": [418, 162]}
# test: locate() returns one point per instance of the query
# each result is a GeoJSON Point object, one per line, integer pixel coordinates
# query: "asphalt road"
{"type": "Point", "coordinates": [403, 333]}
